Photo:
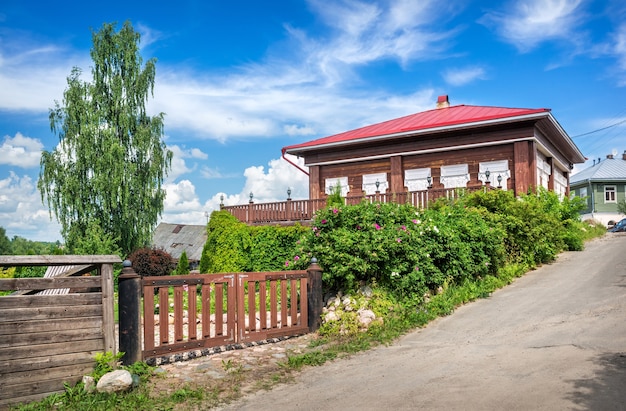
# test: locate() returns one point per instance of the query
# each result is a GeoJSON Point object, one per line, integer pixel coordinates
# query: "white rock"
{"type": "Point", "coordinates": [330, 316]}
{"type": "Point", "coordinates": [115, 381]}
{"type": "Point", "coordinates": [89, 383]}
{"type": "Point", "coordinates": [366, 317]}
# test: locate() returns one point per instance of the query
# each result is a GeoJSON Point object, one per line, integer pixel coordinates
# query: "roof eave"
{"type": "Point", "coordinates": [300, 150]}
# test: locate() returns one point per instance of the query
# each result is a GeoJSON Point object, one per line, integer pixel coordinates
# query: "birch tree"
{"type": "Point", "coordinates": [111, 160]}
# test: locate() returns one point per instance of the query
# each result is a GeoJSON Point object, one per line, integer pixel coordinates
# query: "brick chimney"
{"type": "Point", "coordinates": [443, 102]}
{"type": "Point", "coordinates": [609, 156]}
{"type": "Point", "coordinates": [624, 155]}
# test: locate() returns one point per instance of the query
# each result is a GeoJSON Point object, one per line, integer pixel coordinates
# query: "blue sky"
{"type": "Point", "coordinates": [238, 80]}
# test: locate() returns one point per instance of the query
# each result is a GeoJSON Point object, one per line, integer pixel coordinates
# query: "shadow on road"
{"type": "Point", "coordinates": [606, 390]}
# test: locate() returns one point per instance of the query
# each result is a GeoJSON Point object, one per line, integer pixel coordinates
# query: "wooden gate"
{"type": "Point", "coordinates": [196, 312]}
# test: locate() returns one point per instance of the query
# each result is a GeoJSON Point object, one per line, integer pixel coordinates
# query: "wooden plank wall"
{"type": "Point", "coordinates": [49, 340]}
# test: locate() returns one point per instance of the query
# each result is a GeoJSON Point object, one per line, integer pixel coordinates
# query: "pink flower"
{"type": "Point", "coordinates": [335, 210]}
{"type": "Point", "coordinates": [417, 268]}
{"type": "Point", "coordinates": [324, 221]}
{"type": "Point", "coordinates": [399, 240]}
{"type": "Point", "coordinates": [376, 226]}
{"type": "Point", "coordinates": [286, 263]}
{"type": "Point", "coordinates": [296, 258]}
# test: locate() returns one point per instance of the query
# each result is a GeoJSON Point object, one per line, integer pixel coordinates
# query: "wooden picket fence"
{"type": "Point", "coordinates": [196, 312]}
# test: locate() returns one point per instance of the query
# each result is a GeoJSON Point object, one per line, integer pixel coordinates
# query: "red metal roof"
{"type": "Point", "coordinates": [432, 119]}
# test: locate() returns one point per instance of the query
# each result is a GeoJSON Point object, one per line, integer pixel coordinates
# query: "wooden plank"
{"type": "Point", "coordinates": [12, 381]}
{"type": "Point", "coordinates": [60, 335]}
{"type": "Point", "coordinates": [263, 304]}
{"type": "Point", "coordinates": [239, 308]}
{"type": "Point", "coordinates": [192, 313]}
{"type": "Point", "coordinates": [178, 313]}
{"type": "Point", "coordinates": [10, 284]}
{"type": "Point", "coordinates": [33, 326]}
{"type": "Point", "coordinates": [231, 318]}
{"type": "Point", "coordinates": [294, 302]}
{"type": "Point", "coordinates": [273, 304]}
{"type": "Point", "coordinates": [44, 386]}
{"type": "Point", "coordinates": [49, 313]}
{"type": "Point", "coordinates": [304, 303]}
{"type": "Point", "coordinates": [108, 307]}
{"type": "Point", "coordinates": [42, 350]}
{"type": "Point", "coordinates": [206, 311]}
{"type": "Point", "coordinates": [42, 363]}
{"type": "Point", "coordinates": [219, 309]}
{"type": "Point", "coordinates": [164, 318]}
{"type": "Point", "coordinates": [39, 260]}
{"type": "Point", "coordinates": [27, 301]}
{"type": "Point", "coordinates": [252, 305]}
{"type": "Point", "coordinates": [148, 317]}
{"type": "Point", "coordinates": [283, 303]}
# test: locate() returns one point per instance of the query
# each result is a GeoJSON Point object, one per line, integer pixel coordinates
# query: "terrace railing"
{"type": "Point", "coordinates": [304, 210]}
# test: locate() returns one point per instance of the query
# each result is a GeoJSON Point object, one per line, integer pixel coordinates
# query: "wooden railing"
{"type": "Point", "coordinates": [304, 210]}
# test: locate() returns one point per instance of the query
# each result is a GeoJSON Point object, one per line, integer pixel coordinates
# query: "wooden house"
{"type": "Point", "coordinates": [448, 147]}
{"type": "Point", "coordinates": [603, 186]}
{"type": "Point", "coordinates": [176, 238]}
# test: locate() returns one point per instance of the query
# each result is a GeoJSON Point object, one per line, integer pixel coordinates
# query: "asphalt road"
{"type": "Point", "coordinates": [553, 340]}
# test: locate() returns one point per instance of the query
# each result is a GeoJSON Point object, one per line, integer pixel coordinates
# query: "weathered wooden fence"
{"type": "Point", "coordinates": [49, 340]}
{"type": "Point", "coordinates": [195, 312]}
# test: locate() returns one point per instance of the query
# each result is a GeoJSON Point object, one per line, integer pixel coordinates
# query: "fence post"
{"type": "Point", "coordinates": [129, 287]}
{"type": "Point", "coordinates": [315, 302]}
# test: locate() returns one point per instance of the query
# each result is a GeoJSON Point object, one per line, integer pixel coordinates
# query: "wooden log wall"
{"type": "Point", "coordinates": [49, 340]}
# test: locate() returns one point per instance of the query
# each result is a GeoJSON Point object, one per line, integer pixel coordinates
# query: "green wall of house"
{"type": "Point", "coordinates": [597, 196]}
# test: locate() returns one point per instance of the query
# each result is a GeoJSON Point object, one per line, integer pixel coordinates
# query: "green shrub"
{"type": "Point", "coordinates": [233, 246]}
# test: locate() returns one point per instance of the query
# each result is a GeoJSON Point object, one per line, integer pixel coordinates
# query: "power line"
{"type": "Point", "coordinates": [600, 129]}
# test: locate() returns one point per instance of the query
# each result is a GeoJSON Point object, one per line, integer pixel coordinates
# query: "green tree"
{"type": "Point", "coordinates": [621, 206]}
{"type": "Point", "coordinates": [5, 244]}
{"type": "Point", "coordinates": [111, 159]}
{"type": "Point", "coordinates": [183, 264]}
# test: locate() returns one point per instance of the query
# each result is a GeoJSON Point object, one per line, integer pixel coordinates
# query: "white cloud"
{"type": "Point", "coordinates": [21, 151]}
{"type": "Point", "coordinates": [21, 210]}
{"type": "Point", "coordinates": [183, 206]}
{"type": "Point", "coordinates": [459, 77]}
{"type": "Point", "coordinates": [527, 24]}
{"type": "Point", "coordinates": [618, 49]}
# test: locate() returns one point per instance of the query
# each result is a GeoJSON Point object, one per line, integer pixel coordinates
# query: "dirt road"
{"type": "Point", "coordinates": [553, 340]}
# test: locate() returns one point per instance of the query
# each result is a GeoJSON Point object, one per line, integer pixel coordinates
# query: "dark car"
{"type": "Point", "coordinates": [619, 227]}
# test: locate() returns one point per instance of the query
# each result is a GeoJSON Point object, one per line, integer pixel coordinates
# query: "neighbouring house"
{"type": "Point", "coordinates": [451, 146]}
{"type": "Point", "coordinates": [603, 185]}
{"type": "Point", "coordinates": [176, 238]}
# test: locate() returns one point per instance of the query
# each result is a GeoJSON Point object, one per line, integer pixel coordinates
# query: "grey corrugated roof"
{"type": "Point", "coordinates": [608, 169]}
{"type": "Point", "coordinates": [176, 238]}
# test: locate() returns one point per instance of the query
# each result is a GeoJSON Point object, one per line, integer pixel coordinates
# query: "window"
{"type": "Point", "coordinates": [582, 192]}
{"type": "Point", "coordinates": [369, 183]}
{"type": "Point", "coordinates": [454, 176]}
{"type": "Point", "coordinates": [609, 194]}
{"type": "Point", "coordinates": [417, 179]}
{"type": "Point", "coordinates": [543, 171]}
{"type": "Point", "coordinates": [560, 184]}
{"type": "Point", "coordinates": [495, 169]}
{"type": "Point", "coordinates": [342, 182]}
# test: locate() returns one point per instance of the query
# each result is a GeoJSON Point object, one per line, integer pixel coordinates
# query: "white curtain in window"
{"type": "Point", "coordinates": [342, 182]}
{"type": "Point", "coordinates": [543, 172]}
{"type": "Point", "coordinates": [560, 185]}
{"type": "Point", "coordinates": [454, 176]}
{"type": "Point", "coordinates": [369, 183]}
{"type": "Point", "coordinates": [495, 168]}
{"type": "Point", "coordinates": [417, 179]}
